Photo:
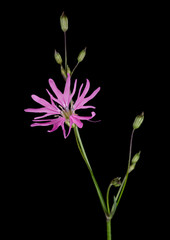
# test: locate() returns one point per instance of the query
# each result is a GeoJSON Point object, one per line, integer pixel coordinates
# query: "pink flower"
{"type": "Point", "coordinates": [62, 108]}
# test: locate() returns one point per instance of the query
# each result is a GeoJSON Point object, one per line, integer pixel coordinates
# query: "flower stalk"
{"type": "Point", "coordinates": [83, 153]}
{"type": "Point", "coordinates": [80, 58]}
{"type": "Point", "coordinates": [65, 50]}
{"type": "Point", "coordinates": [122, 187]}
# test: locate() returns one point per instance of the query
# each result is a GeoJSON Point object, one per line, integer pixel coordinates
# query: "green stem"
{"type": "Point", "coordinates": [120, 192]}
{"type": "Point", "coordinates": [130, 148]}
{"type": "Point", "coordinates": [81, 148]}
{"type": "Point", "coordinates": [83, 153]}
{"type": "Point", "coordinates": [74, 68]}
{"type": "Point", "coordinates": [65, 50]}
{"type": "Point", "coordinates": [107, 198]}
{"type": "Point", "coordinates": [108, 225]}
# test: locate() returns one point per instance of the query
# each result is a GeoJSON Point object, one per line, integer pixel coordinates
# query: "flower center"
{"type": "Point", "coordinates": [67, 113]}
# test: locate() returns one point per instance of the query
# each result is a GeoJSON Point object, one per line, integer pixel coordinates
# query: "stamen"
{"type": "Point", "coordinates": [61, 107]}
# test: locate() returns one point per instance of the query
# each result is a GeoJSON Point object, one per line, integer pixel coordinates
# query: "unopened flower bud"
{"type": "Point", "coordinates": [58, 57]}
{"type": "Point", "coordinates": [116, 182]}
{"type": "Point", "coordinates": [68, 69]}
{"type": "Point", "coordinates": [81, 55]}
{"type": "Point", "coordinates": [63, 72]}
{"type": "Point", "coordinates": [134, 161]}
{"type": "Point", "coordinates": [64, 22]}
{"type": "Point", "coordinates": [138, 121]}
{"type": "Point", "coordinates": [136, 157]}
{"type": "Point", "coordinates": [132, 167]}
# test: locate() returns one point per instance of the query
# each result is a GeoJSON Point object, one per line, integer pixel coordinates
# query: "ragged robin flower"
{"type": "Point", "coordinates": [62, 109]}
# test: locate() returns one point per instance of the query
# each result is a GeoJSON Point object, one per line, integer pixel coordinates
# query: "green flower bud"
{"type": "Point", "coordinates": [81, 55]}
{"type": "Point", "coordinates": [63, 73]}
{"type": "Point", "coordinates": [68, 69]}
{"type": "Point", "coordinates": [138, 121]}
{"type": "Point", "coordinates": [136, 157]}
{"type": "Point", "coordinates": [132, 167]}
{"type": "Point", "coordinates": [116, 182]}
{"type": "Point", "coordinates": [64, 22]}
{"type": "Point", "coordinates": [134, 161]}
{"type": "Point", "coordinates": [57, 57]}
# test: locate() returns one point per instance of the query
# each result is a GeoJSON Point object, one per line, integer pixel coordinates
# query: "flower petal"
{"type": "Point", "coordinates": [88, 106]}
{"type": "Point", "coordinates": [55, 99]}
{"type": "Point", "coordinates": [76, 121]}
{"type": "Point", "coordinates": [64, 131]}
{"type": "Point", "coordinates": [42, 124]}
{"type": "Point", "coordinates": [74, 90]}
{"type": "Point", "coordinates": [42, 110]}
{"type": "Point", "coordinates": [91, 96]}
{"type": "Point", "coordinates": [81, 101]}
{"type": "Point", "coordinates": [86, 89]}
{"type": "Point", "coordinates": [85, 117]}
{"type": "Point", "coordinates": [48, 107]}
{"type": "Point", "coordinates": [71, 123]}
{"type": "Point", "coordinates": [80, 90]}
{"type": "Point", "coordinates": [81, 96]}
{"type": "Point", "coordinates": [67, 91]}
{"type": "Point", "coordinates": [36, 110]}
{"type": "Point", "coordinates": [43, 116]}
{"type": "Point", "coordinates": [58, 122]}
{"type": "Point", "coordinates": [42, 101]}
{"type": "Point", "coordinates": [53, 86]}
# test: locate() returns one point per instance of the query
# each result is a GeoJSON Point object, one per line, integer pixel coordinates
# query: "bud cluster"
{"type": "Point", "coordinates": [57, 56]}
{"type": "Point", "coordinates": [116, 182]}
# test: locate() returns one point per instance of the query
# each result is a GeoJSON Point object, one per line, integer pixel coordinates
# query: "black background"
{"type": "Point", "coordinates": [58, 195]}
